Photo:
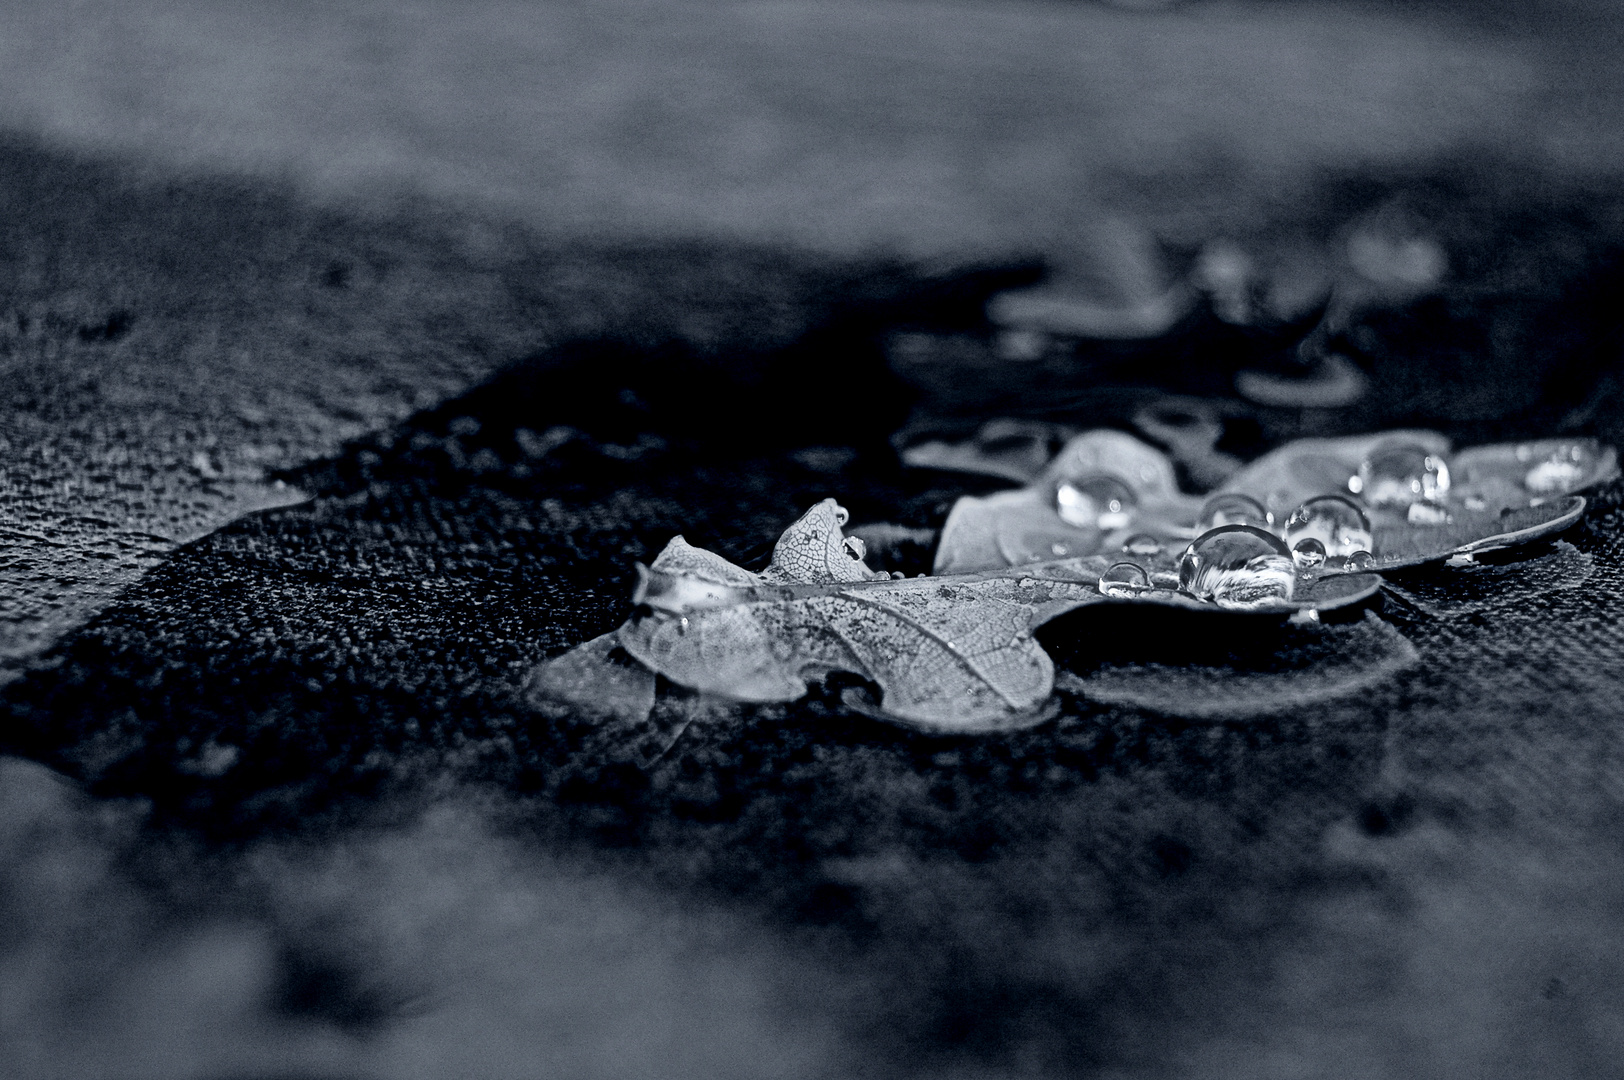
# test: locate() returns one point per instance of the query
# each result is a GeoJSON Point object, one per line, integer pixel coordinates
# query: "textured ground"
{"type": "Point", "coordinates": [279, 807]}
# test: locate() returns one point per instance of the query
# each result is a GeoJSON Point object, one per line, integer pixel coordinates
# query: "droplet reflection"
{"type": "Point", "coordinates": [1232, 508]}
{"type": "Point", "coordinates": [1427, 514]}
{"type": "Point", "coordinates": [1142, 544]}
{"type": "Point", "coordinates": [1336, 521]}
{"type": "Point", "coordinates": [1559, 468]}
{"type": "Point", "coordinates": [1238, 566]}
{"type": "Point", "coordinates": [1400, 474]}
{"type": "Point", "coordinates": [1124, 579]}
{"type": "Point", "coordinates": [1095, 502]}
{"type": "Point", "coordinates": [1309, 553]}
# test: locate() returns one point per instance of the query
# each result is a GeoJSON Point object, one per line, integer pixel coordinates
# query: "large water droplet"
{"type": "Point", "coordinates": [1336, 521]}
{"type": "Point", "coordinates": [1124, 579]}
{"type": "Point", "coordinates": [1101, 501]}
{"type": "Point", "coordinates": [1142, 544]}
{"type": "Point", "coordinates": [1238, 566]}
{"type": "Point", "coordinates": [1232, 508]}
{"type": "Point", "coordinates": [1399, 474]}
{"type": "Point", "coordinates": [1559, 468]}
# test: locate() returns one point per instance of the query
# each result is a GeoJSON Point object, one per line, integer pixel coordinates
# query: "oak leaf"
{"type": "Point", "coordinates": [954, 653]}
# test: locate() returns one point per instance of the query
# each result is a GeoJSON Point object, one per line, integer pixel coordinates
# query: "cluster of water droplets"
{"type": "Point", "coordinates": [1243, 557]}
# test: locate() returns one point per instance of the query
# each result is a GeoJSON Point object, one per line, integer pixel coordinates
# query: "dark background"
{"type": "Point", "coordinates": [514, 292]}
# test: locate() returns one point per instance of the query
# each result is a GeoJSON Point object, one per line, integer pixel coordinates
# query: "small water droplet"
{"type": "Point", "coordinates": [682, 627]}
{"type": "Point", "coordinates": [1232, 508]}
{"type": "Point", "coordinates": [1238, 566]}
{"type": "Point", "coordinates": [1058, 550]}
{"type": "Point", "coordinates": [1142, 544]}
{"type": "Point", "coordinates": [1401, 474]}
{"type": "Point", "coordinates": [1124, 579]}
{"type": "Point", "coordinates": [1101, 501]}
{"type": "Point", "coordinates": [1361, 560]}
{"type": "Point", "coordinates": [1308, 552]}
{"type": "Point", "coordinates": [1335, 521]}
{"type": "Point", "coordinates": [1561, 467]}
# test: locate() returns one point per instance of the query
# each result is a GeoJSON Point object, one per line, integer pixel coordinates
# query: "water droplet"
{"type": "Point", "coordinates": [682, 627]}
{"type": "Point", "coordinates": [856, 548]}
{"type": "Point", "coordinates": [1361, 560]}
{"type": "Point", "coordinates": [1401, 474]}
{"type": "Point", "coordinates": [1308, 552]}
{"type": "Point", "coordinates": [1058, 550]}
{"type": "Point", "coordinates": [1238, 566]}
{"type": "Point", "coordinates": [1427, 514]}
{"type": "Point", "coordinates": [1561, 467]}
{"type": "Point", "coordinates": [1100, 502]}
{"type": "Point", "coordinates": [1232, 508]}
{"type": "Point", "coordinates": [1124, 579]}
{"type": "Point", "coordinates": [1334, 520]}
{"type": "Point", "coordinates": [1142, 544]}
